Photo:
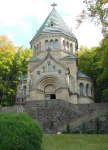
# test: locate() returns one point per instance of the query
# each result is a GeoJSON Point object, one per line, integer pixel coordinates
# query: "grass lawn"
{"type": "Point", "coordinates": [75, 142]}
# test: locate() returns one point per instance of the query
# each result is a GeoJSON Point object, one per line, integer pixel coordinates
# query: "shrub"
{"type": "Point", "coordinates": [83, 127]}
{"type": "Point", "coordinates": [19, 131]}
{"type": "Point", "coordinates": [89, 131]}
{"type": "Point", "coordinates": [76, 131]}
{"type": "Point", "coordinates": [97, 123]}
{"type": "Point", "coordinates": [64, 132]}
{"type": "Point", "coordinates": [68, 128]}
{"type": "Point", "coordinates": [102, 131]}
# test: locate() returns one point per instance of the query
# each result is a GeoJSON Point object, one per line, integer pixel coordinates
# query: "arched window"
{"type": "Point", "coordinates": [46, 44]}
{"type": "Point", "coordinates": [34, 50]}
{"type": "Point", "coordinates": [38, 74]}
{"type": "Point", "coordinates": [56, 44]}
{"type": "Point", "coordinates": [43, 69]}
{"type": "Point", "coordinates": [87, 89]}
{"type": "Point", "coordinates": [63, 44]}
{"type": "Point", "coordinates": [54, 69]}
{"type": "Point", "coordinates": [51, 44]}
{"type": "Point", "coordinates": [48, 67]}
{"type": "Point", "coordinates": [91, 91]}
{"type": "Point", "coordinates": [59, 72]}
{"type": "Point", "coordinates": [81, 88]}
{"type": "Point", "coordinates": [37, 47]}
{"type": "Point", "coordinates": [51, 23]}
{"type": "Point", "coordinates": [67, 45]}
{"type": "Point", "coordinates": [24, 90]}
{"type": "Point", "coordinates": [71, 48]}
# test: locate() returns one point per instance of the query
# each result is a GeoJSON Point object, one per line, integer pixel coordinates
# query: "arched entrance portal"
{"type": "Point", "coordinates": [49, 85]}
{"type": "Point", "coordinates": [50, 92]}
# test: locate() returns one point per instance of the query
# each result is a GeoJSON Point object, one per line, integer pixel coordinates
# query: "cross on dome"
{"type": "Point", "coordinates": [54, 4]}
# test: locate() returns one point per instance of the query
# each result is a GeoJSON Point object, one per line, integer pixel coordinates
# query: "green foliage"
{"type": "Point", "coordinates": [68, 128]}
{"type": "Point", "coordinates": [89, 131]}
{"type": "Point", "coordinates": [97, 123]}
{"type": "Point", "coordinates": [76, 131]}
{"type": "Point", "coordinates": [19, 131]}
{"type": "Point", "coordinates": [94, 63]}
{"type": "Point", "coordinates": [102, 131]}
{"type": "Point", "coordinates": [83, 127]}
{"type": "Point", "coordinates": [64, 132]}
{"type": "Point", "coordinates": [96, 11]}
{"type": "Point", "coordinates": [11, 65]}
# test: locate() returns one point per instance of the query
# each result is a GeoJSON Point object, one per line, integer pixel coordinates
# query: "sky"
{"type": "Point", "coordinates": [20, 19]}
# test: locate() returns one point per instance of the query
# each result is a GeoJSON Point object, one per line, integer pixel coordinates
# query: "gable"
{"type": "Point", "coordinates": [47, 59]}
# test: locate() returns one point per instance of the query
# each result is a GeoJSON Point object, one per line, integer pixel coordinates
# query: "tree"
{"type": "Point", "coordinates": [97, 11]}
{"type": "Point", "coordinates": [19, 131]}
{"type": "Point", "coordinates": [97, 123]}
{"type": "Point", "coordinates": [11, 65]}
{"type": "Point", "coordinates": [68, 128]}
{"type": "Point", "coordinates": [83, 127]}
{"type": "Point", "coordinates": [7, 53]}
{"type": "Point", "coordinates": [94, 63]}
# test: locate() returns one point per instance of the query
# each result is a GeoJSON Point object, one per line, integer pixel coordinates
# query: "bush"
{"type": "Point", "coordinates": [19, 131]}
{"type": "Point", "coordinates": [97, 123]}
{"type": "Point", "coordinates": [83, 127]}
{"type": "Point", "coordinates": [102, 131]}
{"type": "Point", "coordinates": [64, 132]}
{"type": "Point", "coordinates": [89, 131]}
{"type": "Point", "coordinates": [68, 128]}
{"type": "Point", "coordinates": [76, 131]}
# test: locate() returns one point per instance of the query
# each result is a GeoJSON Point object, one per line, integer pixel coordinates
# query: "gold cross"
{"type": "Point", "coordinates": [54, 4]}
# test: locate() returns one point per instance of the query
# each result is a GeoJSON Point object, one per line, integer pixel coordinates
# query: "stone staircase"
{"type": "Point", "coordinates": [90, 112]}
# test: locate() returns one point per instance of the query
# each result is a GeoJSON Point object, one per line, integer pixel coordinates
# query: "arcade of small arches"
{"type": "Point", "coordinates": [53, 44]}
{"type": "Point", "coordinates": [37, 48]}
{"type": "Point", "coordinates": [86, 90]}
{"type": "Point", "coordinates": [67, 46]}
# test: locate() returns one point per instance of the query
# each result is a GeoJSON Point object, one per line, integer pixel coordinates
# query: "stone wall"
{"type": "Point", "coordinates": [8, 109]}
{"type": "Point", "coordinates": [53, 115]}
{"type": "Point", "coordinates": [90, 124]}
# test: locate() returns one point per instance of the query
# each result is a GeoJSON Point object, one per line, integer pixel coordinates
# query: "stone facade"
{"type": "Point", "coordinates": [52, 70]}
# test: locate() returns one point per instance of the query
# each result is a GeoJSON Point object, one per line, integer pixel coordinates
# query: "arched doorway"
{"type": "Point", "coordinates": [48, 85]}
{"type": "Point", "coordinates": [50, 91]}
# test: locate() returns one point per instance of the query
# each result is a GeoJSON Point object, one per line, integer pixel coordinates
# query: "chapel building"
{"type": "Point", "coordinates": [52, 70]}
